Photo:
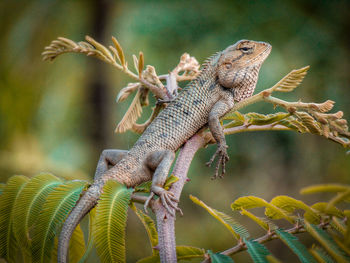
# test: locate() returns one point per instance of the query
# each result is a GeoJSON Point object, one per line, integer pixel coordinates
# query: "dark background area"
{"type": "Point", "coordinates": [59, 116]}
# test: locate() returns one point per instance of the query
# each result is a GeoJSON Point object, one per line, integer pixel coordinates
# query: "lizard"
{"type": "Point", "coordinates": [226, 77]}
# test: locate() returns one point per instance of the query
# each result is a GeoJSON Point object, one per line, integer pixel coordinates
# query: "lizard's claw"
{"type": "Point", "coordinates": [167, 198]}
{"type": "Point", "coordinates": [221, 152]}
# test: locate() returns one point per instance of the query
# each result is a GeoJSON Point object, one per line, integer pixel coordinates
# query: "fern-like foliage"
{"type": "Point", "coordinates": [55, 210]}
{"type": "Point", "coordinates": [8, 242]}
{"type": "Point", "coordinates": [109, 228]}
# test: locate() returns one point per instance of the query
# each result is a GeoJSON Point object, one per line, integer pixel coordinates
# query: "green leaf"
{"type": "Point", "coordinates": [90, 243]}
{"type": "Point", "coordinates": [327, 242]}
{"type": "Point", "coordinates": [257, 251]}
{"type": "Point", "coordinates": [59, 203]}
{"type": "Point", "coordinates": [8, 242]}
{"type": "Point", "coordinates": [236, 116]}
{"type": "Point", "coordinates": [263, 222]}
{"type": "Point", "coordinates": [235, 228]}
{"type": "Point", "coordinates": [289, 204]}
{"type": "Point", "coordinates": [291, 80]}
{"type": "Point", "coordinates": [320, 255]}
{"type": "Point", "coordinates": [144, 187]}
{"type": "Point", "coordinates": [248, 202]}
{"type": "Point", "coordinates": [2, 187]}
{"type": "Point", "coordinates": [169, 181]}
{"type": "Point", "coordinates": [262, 119]}
{"type": "Point", "coordinates": [219, 258]}
{"type": "Point", "coordinates": [294, 244]}
{"type": "Point", "coordinates": [320, 188]}
{"type": "Point", "coordinates": [189, 252]}
{"type": "Point", "coordinates": [150, 227]}
{"type": "Point", "coordinates": [29, 204]}
{"type": "Point", "coordinates": [323, 208]}
{"type": "Point", "coordinates": [182, 252]}
{"type": "Point", "coordinates": [76, 245]}
{"type": "Point", "coordinates": [109, 228]}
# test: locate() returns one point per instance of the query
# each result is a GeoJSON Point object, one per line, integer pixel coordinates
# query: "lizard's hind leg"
{"type": "Point", "coordinates": [108, 157]}
{"type": "Point", "coordinates": [161, 162]}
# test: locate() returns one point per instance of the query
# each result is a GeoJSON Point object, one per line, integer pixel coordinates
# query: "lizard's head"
{"type": "Point", "coordinates": [239, 65]}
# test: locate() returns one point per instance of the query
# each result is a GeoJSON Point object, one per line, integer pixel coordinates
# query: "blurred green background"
{"type": "Point", "coordinates": [59, 116]}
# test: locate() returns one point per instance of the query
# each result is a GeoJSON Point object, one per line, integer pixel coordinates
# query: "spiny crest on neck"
{"type": "Point", "coordinates": [208, 67]}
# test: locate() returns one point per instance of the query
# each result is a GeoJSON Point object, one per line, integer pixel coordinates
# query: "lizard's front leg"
{"type": "Point", "coordinates": [161, 161]}
{"type": "Point", "coordinates": [219, 109]}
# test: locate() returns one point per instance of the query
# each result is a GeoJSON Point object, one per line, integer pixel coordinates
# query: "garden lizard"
{"type": "Point", "coordinates": [227, 77]}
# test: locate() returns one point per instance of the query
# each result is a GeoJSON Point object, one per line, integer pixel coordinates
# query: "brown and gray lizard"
{"type": "Point", "coordinates": [227, 77]}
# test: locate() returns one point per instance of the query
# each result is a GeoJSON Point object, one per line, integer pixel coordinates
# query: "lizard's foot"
{"type": "Point", "coordinates": [167, 198]}
{"type": "Point", "coordinates": [221, 152]}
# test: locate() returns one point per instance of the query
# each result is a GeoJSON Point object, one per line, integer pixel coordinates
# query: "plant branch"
{"type": "Point", "coordinates": [271, 235]}
{"type": "Point", "coordinates": [165, 221]}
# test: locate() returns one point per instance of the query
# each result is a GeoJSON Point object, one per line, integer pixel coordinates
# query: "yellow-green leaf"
{"type": "Point", "coordinates": [248, 202]}
{"type": "Point", "coordinates": [320, 188]}
{"type": "Point", "coordinates": [59, 203]}
{"type": "Point", "coordinates": [235, 228]}
{"type": "Point", "coordinates": [289, 204]}
{"type": "Point", "coordinates": [8, 242]}
{"type": "Point", "coordinates": [109, 228]}
{"type": "Point", "coordinates": [150, 227]}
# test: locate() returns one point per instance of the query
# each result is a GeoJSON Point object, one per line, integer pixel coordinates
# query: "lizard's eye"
{"type": "Point", "coordinates": [245, 49]}
{"type": "Point", "coordinates": [228, 65]}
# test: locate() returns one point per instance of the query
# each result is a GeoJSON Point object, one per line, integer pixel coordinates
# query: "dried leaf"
{"type": "Point", "coordinates": [120, 52]}
{"type": "Point", "coordinates": [141, 63]}
{"type": "Point", "coordinates": [132, 114]}
{"type": "Point", "coordinates": [291, 81]}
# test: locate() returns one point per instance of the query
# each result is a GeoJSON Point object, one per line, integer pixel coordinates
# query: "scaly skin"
{"type": "Point", "coordinates": [226, 77]}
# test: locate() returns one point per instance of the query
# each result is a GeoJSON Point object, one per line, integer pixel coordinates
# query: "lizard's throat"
{"type": "Point", "coordinates": [244, 82]}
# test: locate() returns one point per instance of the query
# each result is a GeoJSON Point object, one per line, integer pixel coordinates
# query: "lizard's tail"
{"type": "Point", "coordinates": [83, 206]}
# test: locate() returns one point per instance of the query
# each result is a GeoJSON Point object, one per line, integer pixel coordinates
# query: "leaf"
{"type": "Point", "coordinates": [248, 202]}
{"type": "Point", "coordinates": [312, 125]}
{"type": "Point", "coordinates": [132, 114]}
{"type": "Point", "coordinates": [235, 116]}
{"type": "Point", "coordinates": [291, 80]}
{"type": "Point", "coordinates": [169, 181]}
{"type": "Point", "coordinates": [320, 188]}
{"type": "Point", "coordinates": [189, 252]}
{"type": "Point", "coordinates": [29, 204]}
{"type": "Point", "coordinates": [295, 245]}
{"type": "Point", "coordinates": [257, 251]}
{"type": "Point", "coordinates": [141, 63]}
{"type": "Point", "coordinates": [76, 245]}
{"type": "Point", "coordinates": [120, 53]}
{"type": "Point", "coordinates": [325, 208]}
{"type": "Point", "coordinates": [90, 243]}
{"type": "Point", "coordinates": [125, 92]}
{"type": "Point", "coordinates": [59, 203]}
{"type": "Point", "coordinates": [289, 204]}
{"type": "Point", "coordinates": [338, 225]}
{"type": "Point", "coordinates": [2, 187]}
{"type": "Point", "coordinates": [293, 124]}
{"type": "Point", "coordinates": [235, 228]}
{"type": "Point", "coordinates": [340, 197]}
{"type": "Point", "coordinates": [261, 119]}
{"type": "Point", "coordinates": [320, 255]}
{"type": "Point", "coordinates": [182, 252]}
{"type": "Point", "coordinates": [100, 47]}
{"type": "Point", "coordinates": [219, 258]}
{"type": "Point", "coordinates": [327, 242]}
{"type": "Point", "coordinates": [136, 63]}
{"type": "Point", "coordinates": [144, 187]}
{"type": "Point", "coordinates": [150, 227]}
{"type": "Point", "coordinates": [109, 228]}
{"type": "Point", "coordinates": [263, 222]}
{"type": "Point", "coordinates": [8, 242]}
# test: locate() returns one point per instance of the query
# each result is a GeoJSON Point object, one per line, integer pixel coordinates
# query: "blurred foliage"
{"type": "Point", "coordinates": [45, 109]}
